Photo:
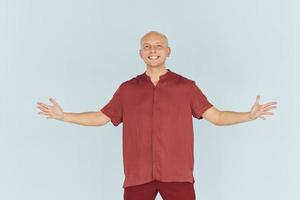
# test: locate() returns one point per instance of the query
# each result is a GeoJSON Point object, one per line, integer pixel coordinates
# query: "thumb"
{"type": "Point", "coordinates": [53, 101]}
{"type": "Point", "coordinates": [257, 99]}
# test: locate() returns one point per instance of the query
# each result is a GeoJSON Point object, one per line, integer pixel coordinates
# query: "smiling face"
{"type": "Point", "coordinates": [154, 49]}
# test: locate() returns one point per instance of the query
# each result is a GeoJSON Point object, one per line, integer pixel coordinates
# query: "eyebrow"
{"type": "Point", "coordinates": [154, 43]}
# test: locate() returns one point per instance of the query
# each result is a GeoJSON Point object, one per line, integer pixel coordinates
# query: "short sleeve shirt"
{"type": "Point", "coordinates": [158, 137]}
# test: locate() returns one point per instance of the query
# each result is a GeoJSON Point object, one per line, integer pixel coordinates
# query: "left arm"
{"type": "Point", "coordinates": [222, 118]}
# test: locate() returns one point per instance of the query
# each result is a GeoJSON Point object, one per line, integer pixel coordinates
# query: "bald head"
{"type": "Point", "coordinates": [156, 34]}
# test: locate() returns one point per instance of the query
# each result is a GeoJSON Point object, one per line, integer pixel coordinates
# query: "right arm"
{"type": "Point", "coordinates": [84, 118]}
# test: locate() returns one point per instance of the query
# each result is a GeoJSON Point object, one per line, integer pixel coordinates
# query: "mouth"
{"type": "Point", "coordinates": [153, 57]}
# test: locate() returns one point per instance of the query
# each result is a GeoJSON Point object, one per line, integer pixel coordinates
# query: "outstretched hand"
{"type": "Point", "coordinates": [258, 110]}
{"type": "Point", "coordinates": [51, 111]}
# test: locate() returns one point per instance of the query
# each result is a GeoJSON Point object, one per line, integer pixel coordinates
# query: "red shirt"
{"type": "Point", "coordinates": [158, 138]}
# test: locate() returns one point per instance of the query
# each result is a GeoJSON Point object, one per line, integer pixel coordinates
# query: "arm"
{"type": "Point", "coordinates": [221, 118]}
{"type": "Point", "coordinates": [84, 118]}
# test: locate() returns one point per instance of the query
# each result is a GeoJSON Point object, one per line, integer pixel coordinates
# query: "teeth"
{"type": "Point", "coordinates": [153, 57]}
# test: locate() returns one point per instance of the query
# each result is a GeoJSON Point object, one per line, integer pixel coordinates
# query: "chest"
{"type": "Point", "coordinates": [156, 96]}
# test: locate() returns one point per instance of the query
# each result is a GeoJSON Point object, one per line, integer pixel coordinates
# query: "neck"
{"type": "Point", "coordinates": [155, 72]}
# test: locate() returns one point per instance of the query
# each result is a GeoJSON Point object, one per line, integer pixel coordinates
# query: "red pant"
{"type": "Point", "coordinates": [167, 190]}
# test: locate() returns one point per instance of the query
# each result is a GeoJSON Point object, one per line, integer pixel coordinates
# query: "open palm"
{"type": "Point", "coordinates": [51, 111]}
{"type": "Point", "coordinates": [258, 110]}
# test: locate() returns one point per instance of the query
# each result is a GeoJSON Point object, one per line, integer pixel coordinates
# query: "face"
{"type": "Point", "coordinates": [154, 50]}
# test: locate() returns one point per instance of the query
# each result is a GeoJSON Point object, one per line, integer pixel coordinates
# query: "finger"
{"type": "Point", "coordinates": [43, 109]}
{"type": "Point", "coordinates": [53, 101]}
{"type": "Point", "coordinates": [269, 108]}
{"type": "Point", "coordinates": [257, 99]}
{"type": "Point", "coordinates": [269, 104]}
{"type": "Point", "coordinates": [42, 104]}
{"type": "Point", "coordinates": [39, 106]}
{"type": "Point", "coordinates": [42, 113]}
{"type": "Point", "coordinates": [46, 111]}
{"type": "Point", "coordinates": [267, 113]}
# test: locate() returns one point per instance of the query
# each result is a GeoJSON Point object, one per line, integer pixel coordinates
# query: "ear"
{"type": "Point", "coordinates": [169, 51]}
{"type": "Point", "coordinates": [140, 52]}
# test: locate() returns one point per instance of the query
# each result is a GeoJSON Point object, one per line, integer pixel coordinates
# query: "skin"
{"type": "Point", "coordinates": [156, 44]}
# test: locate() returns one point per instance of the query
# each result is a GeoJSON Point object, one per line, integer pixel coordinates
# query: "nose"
{"type": "Point", "coordinates": [153, 48]}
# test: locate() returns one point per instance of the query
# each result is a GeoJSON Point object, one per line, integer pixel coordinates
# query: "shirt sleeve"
{"type": "Point", "coordinates": [199, 102]}
{"type": "Point", "coordinates": [113, 109]}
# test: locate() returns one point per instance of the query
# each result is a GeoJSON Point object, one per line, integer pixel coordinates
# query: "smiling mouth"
{"type": "Point", "coordinates": [153, 57]}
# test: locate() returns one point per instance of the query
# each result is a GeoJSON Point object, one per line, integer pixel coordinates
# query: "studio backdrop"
{"type": "Point", "coordinates": [79, 52]}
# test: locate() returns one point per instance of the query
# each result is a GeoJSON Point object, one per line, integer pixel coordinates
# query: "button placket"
{"type": "Point", "coordinates": [155, 126]}
{"type": "Point", "coordinates": [155, 131]}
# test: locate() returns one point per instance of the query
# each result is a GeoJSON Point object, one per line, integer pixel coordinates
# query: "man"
{"type": "Point", "coordinates": [156, 108]}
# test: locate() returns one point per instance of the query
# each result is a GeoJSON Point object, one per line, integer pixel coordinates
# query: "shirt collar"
{"type": "Point", "coordinates": [161, 77]}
